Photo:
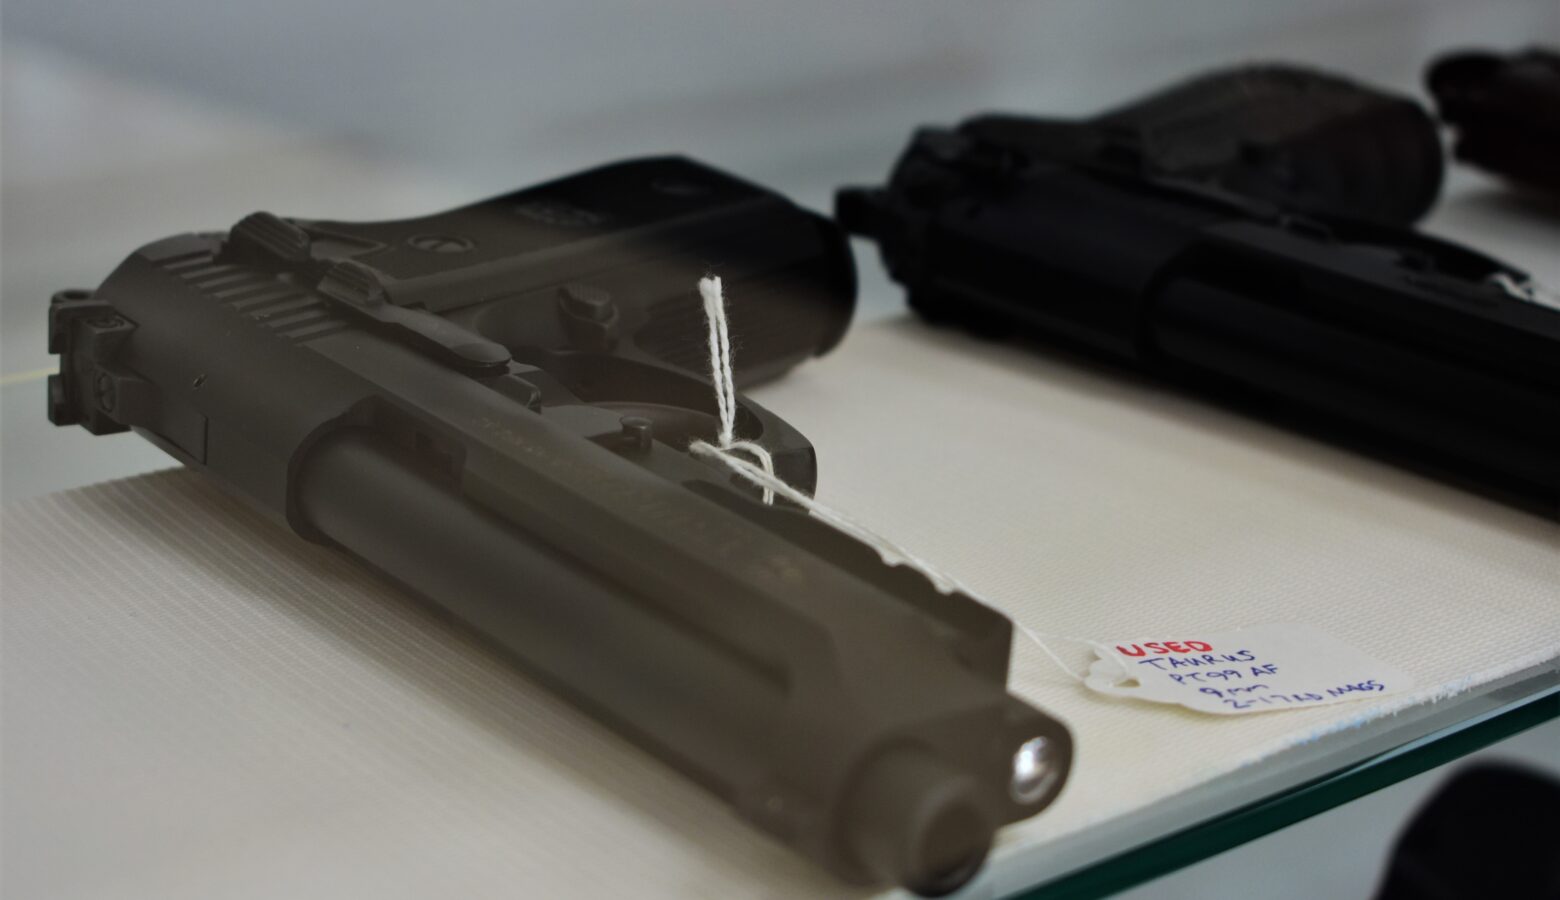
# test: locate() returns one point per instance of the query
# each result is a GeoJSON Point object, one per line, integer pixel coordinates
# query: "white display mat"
{"type": "Point", "coordinates": [197, 704]}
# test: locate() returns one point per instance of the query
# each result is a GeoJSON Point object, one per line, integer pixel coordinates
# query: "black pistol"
{"type": "Point", "coordinates": [493, 406]}
{"type": "Point", "coordinates": [1505, 111]}
{"type": "Point", "coordinates": [1246, 235]}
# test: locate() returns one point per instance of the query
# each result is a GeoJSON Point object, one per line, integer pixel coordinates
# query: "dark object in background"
{"type": "Point", "coordinates": [493, 406]}
{"type": "Point", "coordinates": [1304, 140]}
{"type": "Point", "coordinates": [1365, 332]}
{"type": "Point", "coordinates": [1492, 830]}
{"type": "Point", "coordinates": [1505, 111]}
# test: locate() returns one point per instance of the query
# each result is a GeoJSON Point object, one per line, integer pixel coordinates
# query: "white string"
{"type": "Point", "coordinates": [726, 388]}
{"type": "Point", "coordinates": [1529, 290]}
{"type": "Point", "coordinates": [720, 356]}
{"type": "Point", "coordinates": [762, 474]}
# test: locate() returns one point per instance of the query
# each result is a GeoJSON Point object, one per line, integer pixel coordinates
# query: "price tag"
{"type": "Point", "coordinates": [1259, 669]}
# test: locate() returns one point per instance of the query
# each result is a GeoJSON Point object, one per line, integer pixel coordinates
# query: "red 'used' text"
{"type": "Point", "coordinates": [1148, 647]}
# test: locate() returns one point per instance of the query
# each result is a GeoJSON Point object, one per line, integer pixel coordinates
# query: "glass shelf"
{"type": "Point", "coordinates": [1287, 788]}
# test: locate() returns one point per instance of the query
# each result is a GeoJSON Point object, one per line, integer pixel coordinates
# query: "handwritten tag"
{"type": "Point", "coordinates": [1259, 669]}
